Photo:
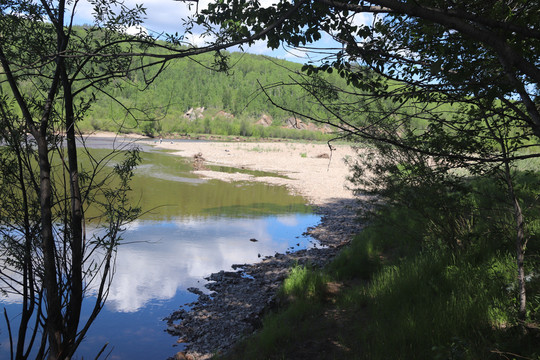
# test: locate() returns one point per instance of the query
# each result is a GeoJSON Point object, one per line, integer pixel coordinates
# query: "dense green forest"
{"type": "Point", "coordinates": [232, 100]}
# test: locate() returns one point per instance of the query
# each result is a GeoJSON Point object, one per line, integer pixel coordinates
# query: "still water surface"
{"type": "Point", "coordinates": [191, 228]}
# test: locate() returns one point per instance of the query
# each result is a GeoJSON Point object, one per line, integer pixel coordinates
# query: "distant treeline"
{"type": "Point", "coordinates": [160, 108]}
{"type": "Point", "coordinates": [234, 101]}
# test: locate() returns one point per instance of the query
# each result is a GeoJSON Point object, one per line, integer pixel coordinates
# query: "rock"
{"type": "Point", "coordinates": [180, 356]}
{"type": "Point", "coordinates": [172, 329]}
{"type": "Point", "coordinates": [265, 120]}
{"type": "Point", "coordinates": [193, 114]}
{"type": "Point", "coordinates": [224, 114]}
{"type": "Point", "coordinates": [294, 123]}
{"type": "Point", "coordinates": [195, 290]}
{"type": "Point", "coordinates": [198, 162]}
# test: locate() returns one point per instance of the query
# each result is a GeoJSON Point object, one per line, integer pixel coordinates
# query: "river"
{"type": "Point", "coordinates": [191, 227]}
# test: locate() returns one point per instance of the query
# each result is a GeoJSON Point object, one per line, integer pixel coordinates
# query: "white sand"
{"type": "Point", "coordinates": [320, 180]}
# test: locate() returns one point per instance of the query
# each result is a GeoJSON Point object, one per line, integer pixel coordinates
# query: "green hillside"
{"type": "Point", "coordinates": [189, 98]}
{"type": "Point", "coordinates": [221, 103]}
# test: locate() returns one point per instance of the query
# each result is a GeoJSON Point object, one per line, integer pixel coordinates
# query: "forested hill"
{"type": "Point", "coordinates": [188, 97]}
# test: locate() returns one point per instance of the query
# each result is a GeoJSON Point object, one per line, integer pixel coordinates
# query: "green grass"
{"type": "Point", "coordinates": [260, 149]}
{"type": "Point", "coordinates": [425, 302]}
{"type": "Point", "coordinates": [304, 283]}
{"type": "Point", "coordinates": [303, 291]}
{"type": "Point", "coordinates": [403, 295]}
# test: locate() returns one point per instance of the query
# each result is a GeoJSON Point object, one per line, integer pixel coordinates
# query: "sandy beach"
{"type": "Point", "coordinates": [312, 170]}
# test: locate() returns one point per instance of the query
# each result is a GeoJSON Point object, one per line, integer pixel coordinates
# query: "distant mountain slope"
{"type": "Point", "coordinates": [190, 98]}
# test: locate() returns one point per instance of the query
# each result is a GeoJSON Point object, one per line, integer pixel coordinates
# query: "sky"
{"type": "Point", "coordinates": [167, 16]}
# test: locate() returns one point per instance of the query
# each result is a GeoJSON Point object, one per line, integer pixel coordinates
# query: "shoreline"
{"type": "Point", "coordinates": [314, 170]}
{"type": "Point", "coordinates": [239, 299]}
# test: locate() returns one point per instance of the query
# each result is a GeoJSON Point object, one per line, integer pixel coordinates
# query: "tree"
{"type": "Point", "coordinates": [47, 259]}
{"type": "Point", "coordinates": [459, 48]}
{"type": "Point", "coordinates": [51, 74]}
{"type": "Point", "coordinates": [457, 82]}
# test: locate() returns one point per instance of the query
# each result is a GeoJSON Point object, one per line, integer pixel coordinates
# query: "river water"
{"type": "Point", "coordinates": [191, 227]}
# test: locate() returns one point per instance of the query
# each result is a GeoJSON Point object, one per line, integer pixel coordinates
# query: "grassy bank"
{"type": "Point", "coordinates": [400, 292]}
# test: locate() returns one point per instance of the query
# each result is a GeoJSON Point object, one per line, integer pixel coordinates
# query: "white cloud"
{"type": "Point", "coordinates": [154, 268]}
{"type": "Point", "coordinates": [288, 220]}
{"type": "Point", "coordinates": [362, 19]}
{"type": "Point", "coordinates": [161, 15]}
{"type": "Point", "coordinates": [259, 48]}
{"type": "Point", "coordinates": [136, 30]}
{"type": "Point", "coordinates": [198, 39]}
{"type": "Point", "coordinates": [168, 16]}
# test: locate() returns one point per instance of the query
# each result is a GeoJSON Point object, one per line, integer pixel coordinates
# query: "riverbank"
{"type": "Point", "coordinates": [315, 170]}
{"type": "Point", "coordinates": [395, 291]}
{"type": "Point", "coordinates": [239, 299]}
{"type": "Point", "coordinates": [233, 303]}
{"type": "Point", "coordinates": [381, 287]}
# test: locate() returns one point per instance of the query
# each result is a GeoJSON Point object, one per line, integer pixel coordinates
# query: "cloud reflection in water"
{"type": "Point", "coordinates": [163, 257]}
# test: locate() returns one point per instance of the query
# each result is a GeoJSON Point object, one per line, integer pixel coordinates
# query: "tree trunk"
{"type": "Point", "coordinates": [28, 273]}
{"type": "Point", "coordinates": [520, 258]}
{"type": "Point", "coordinates": [76, 296]}
{"type": "Point", "coordinates": [520, 246]}
{"type": "Point", "coordinates": [50, 282]}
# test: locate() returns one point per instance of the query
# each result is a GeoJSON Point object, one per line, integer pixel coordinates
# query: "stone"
{"type": "Point", "coordinates": [224, 114]}
{"type": "Point", "coordinates": [193, 114]}
{"type": "Point", "coordinates": [198, 162]}
{"type": "Point", "coordinates": [265, 120]}
{"type": "Point", "coordinates": [180, 356]}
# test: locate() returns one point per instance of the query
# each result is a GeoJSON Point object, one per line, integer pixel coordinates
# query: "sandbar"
{"type": "Point", "coordinates": [314, 170]}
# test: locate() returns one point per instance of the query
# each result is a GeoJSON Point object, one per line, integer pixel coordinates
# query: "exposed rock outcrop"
{"type": "Point", "coordinates": [295, 123]}
{"type": "Point", "coordinates": [194, 113]}
{"type": "Point", "coordinates": [265, 120]}
{"type": "Point", "coordinates": [224, 114]}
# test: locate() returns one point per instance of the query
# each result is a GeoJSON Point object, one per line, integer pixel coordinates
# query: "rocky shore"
{"type": "Point", "coordinates": [234, 302]}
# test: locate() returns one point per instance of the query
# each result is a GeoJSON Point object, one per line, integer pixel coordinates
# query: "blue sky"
{"type": "Point", "coordinates": [166, 16]}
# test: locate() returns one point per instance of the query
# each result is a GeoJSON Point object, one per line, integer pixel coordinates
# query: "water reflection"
{"type": "Point", "coordinates": [163, 257]}
{"type": "Point", "coordinates": [192, 228]}
{"type": "Point", "coordinates": [165, 188]}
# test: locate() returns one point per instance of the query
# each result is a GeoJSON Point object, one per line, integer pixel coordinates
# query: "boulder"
{"type": "Point", "coordinates": [194, 113]}
{"type": "Point", "coordinates": [265, 120]}
{"type": "Point", "coordinates": [224, 114]}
